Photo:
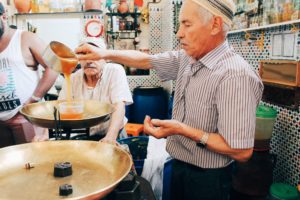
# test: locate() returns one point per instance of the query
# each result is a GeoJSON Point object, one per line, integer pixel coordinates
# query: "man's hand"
{"type": "Point", "coordinates": [88, 52]}
{"type": "Point", "coordinates": [161, 128]}
{"type": "Point", "coordinates": [109, 140]}
{"type": "Point", "coordinates": [29, 101]}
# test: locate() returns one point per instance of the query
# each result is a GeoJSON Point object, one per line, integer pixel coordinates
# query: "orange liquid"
{"type": "Point", "coordinates": [68, 66]}
{"type": "Point", "coordinates": [71, 115]}
{"type": "Point", "coordinates": [68, 80]}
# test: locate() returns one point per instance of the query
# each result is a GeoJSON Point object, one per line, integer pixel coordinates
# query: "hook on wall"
{"type": "Point", "coordinates": [259, 40]}
{"type": "Point", "coordinates": [294, 28]}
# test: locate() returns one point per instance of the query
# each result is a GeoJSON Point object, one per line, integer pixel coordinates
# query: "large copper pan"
{"type": "Point", "coordinates": [97, 169]}
{"type": "Point", "coordinates": [42, 114]}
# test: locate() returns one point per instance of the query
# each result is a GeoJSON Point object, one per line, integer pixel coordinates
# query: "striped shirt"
{"type": "Point", "coordinates": [217, 94]}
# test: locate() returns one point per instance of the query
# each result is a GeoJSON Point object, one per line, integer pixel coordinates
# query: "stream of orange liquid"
{"type": "Point", "coordinates": [68, 66]}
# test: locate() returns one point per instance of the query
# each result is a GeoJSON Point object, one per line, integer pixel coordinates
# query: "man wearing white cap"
{"type": "Point", "coordinates": [215, 100]}
{"type": "Point", "coordinates": [105, 82]}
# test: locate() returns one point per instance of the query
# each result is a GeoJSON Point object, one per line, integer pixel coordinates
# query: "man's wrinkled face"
{"type": "Point", "coordinates": [193, 33]}
{"type": "Point", "coordinates": [91, 68]}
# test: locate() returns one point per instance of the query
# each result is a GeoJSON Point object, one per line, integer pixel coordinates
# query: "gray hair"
{"type": "Point", "coordinates": [206, 16]}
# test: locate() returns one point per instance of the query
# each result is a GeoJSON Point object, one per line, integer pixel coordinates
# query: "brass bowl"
{"type": "Point", "coordinates": [42, 114]}
{"type": "Point", "coordinates": [97, 169]}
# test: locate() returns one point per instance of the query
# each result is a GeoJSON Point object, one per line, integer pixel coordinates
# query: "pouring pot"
{"type": "Point", "coordinates": [97, 169]}
{"type": "Point", "coordinates": [60, 57]}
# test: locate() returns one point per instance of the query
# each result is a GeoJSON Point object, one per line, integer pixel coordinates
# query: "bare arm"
{"type": "Point", "coordinates": [116, 123]}
{"type": "Point", "coordinates": [216, 143]}
{"type": "Point", "coordinates": [32, 59]}
{"type": "Point", "coordinates": [130, 58]}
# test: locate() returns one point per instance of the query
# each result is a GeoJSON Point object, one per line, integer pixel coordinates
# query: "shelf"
{"type": "Point", "coordinates": [59, 13]}
{"type": "Point", "coordinates": [265, 27]}
{"type": "Point", "coordinates": [125, 31]}
{"type": "Point", "coordinates": [124, 14]}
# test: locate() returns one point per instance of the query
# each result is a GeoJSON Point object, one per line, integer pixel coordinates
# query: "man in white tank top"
{"type": "Point", "coordinates": [20, 55]}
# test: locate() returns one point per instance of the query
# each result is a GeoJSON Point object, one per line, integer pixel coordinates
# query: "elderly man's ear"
{"type": "Point", "coordinates": [217, 25]}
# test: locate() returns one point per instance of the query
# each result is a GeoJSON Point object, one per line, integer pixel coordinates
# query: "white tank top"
{"type": "Point", "coordinates": [17, 81]}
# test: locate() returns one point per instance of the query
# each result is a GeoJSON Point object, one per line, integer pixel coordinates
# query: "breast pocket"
{"type": "Point", "coordinates": [201, 110]}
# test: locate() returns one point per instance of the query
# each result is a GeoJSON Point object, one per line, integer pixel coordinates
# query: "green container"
{"type": "Point", "coordinates": [265, 119]}
{"type": "Point", "coordinates": [281, 191]}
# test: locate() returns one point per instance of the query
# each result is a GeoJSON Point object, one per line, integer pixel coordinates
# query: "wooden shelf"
{"type": "Point", "coordinates": [59, 13]}
{"type": "Point", "coordinates": [265, 27]}
{"type": "Point", "coordinates": [124, 31]}
{"type": "Point", "coordinates": [124, 14]}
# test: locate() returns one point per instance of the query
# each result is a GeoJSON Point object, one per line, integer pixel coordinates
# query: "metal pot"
{"type": "Point", "coordinates": [92, 5]}
{"type": "Point", "coordinates": [60, 57]}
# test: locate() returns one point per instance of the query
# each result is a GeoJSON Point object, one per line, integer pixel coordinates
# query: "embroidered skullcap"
{"type": "Point", "coordinates": [222, 8]}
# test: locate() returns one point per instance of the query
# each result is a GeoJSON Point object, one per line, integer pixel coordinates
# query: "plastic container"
{"type": "Point", "coordinates": [282, 191]}
{"type": "Point", "coordinates": [138, 149]}
{"type": "Point", "coordinates": [152, 101]}
{"type": "Point", "coordinates": [71, 109]}
{"type": "Point", "coordinates": [265, 119]}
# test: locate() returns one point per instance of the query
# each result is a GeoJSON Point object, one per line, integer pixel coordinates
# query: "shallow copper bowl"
{"type": "Point", "coordinates": [42, 114]}
{"type": "Point", "coordinates": [97, 169]}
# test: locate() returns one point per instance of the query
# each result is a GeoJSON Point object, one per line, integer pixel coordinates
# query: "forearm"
{"type": "Point", "coordinates": [45, 83]}
{"type": "Point", "coordinates": [116, 120]}
{"type": "Point", "coordinates": [217, 144]}
{"type": "Point", "coordinates": [129, 58]}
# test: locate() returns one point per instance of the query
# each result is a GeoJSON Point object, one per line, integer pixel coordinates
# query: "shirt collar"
{"type": "Point", "coordinates": [210, 59]}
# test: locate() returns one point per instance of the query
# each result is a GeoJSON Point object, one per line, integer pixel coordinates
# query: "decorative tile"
{"type": "Point", "coordinates": [285, 142]}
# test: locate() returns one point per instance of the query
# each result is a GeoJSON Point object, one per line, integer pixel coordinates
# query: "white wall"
{"type": "Point", "coordinates": [65, 28]}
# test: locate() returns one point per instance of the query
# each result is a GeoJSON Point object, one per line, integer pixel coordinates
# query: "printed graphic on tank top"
{"type": "Point", "coordinates": [8, 98]}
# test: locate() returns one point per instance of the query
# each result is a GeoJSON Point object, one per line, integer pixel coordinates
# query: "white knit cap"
{"type": "Point", "coordinates": [222, 8]}
{"type": "Point", "coordinates": [99, 42]}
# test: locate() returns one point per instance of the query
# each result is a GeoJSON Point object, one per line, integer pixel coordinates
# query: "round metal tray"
{"type": "Point", "coordinates": [97, 169]}
{"type": "Point", "coordinates": [42, 114]}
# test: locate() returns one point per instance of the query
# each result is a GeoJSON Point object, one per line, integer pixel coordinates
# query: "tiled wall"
{"type": "Point", "coordinates": [285, 141]}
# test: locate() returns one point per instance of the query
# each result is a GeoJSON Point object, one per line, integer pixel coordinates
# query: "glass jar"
{"type": "Point", "coordinates": [296, 12]}
{"type": "Point", "coordinates": [34, 6]}
{"type": "Point", "coordinates": [55, 6]}
{"type": "Point", "coordinates": [122, 25]}
{"type": "Point", "coordinates": [287, 10]}
{"type": "Point", "coordinates": [43, 6]}
{"type": "Point", "coordinates": [69, 6]}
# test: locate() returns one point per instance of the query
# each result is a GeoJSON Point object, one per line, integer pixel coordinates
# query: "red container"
{"type": "Point", "coordinates": [92, 5]}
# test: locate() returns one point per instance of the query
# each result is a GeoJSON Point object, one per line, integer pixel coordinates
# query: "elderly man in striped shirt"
{"type": "Point", "coordinates": [215, 101]}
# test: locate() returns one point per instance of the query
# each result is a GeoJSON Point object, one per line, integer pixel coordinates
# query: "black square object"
{"type": "Point", "coordinates": [65, 190]}
{"type": "Point", "coordinates": [280, 95]}
{"type": "Point", "coordinates": [62, 169]}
